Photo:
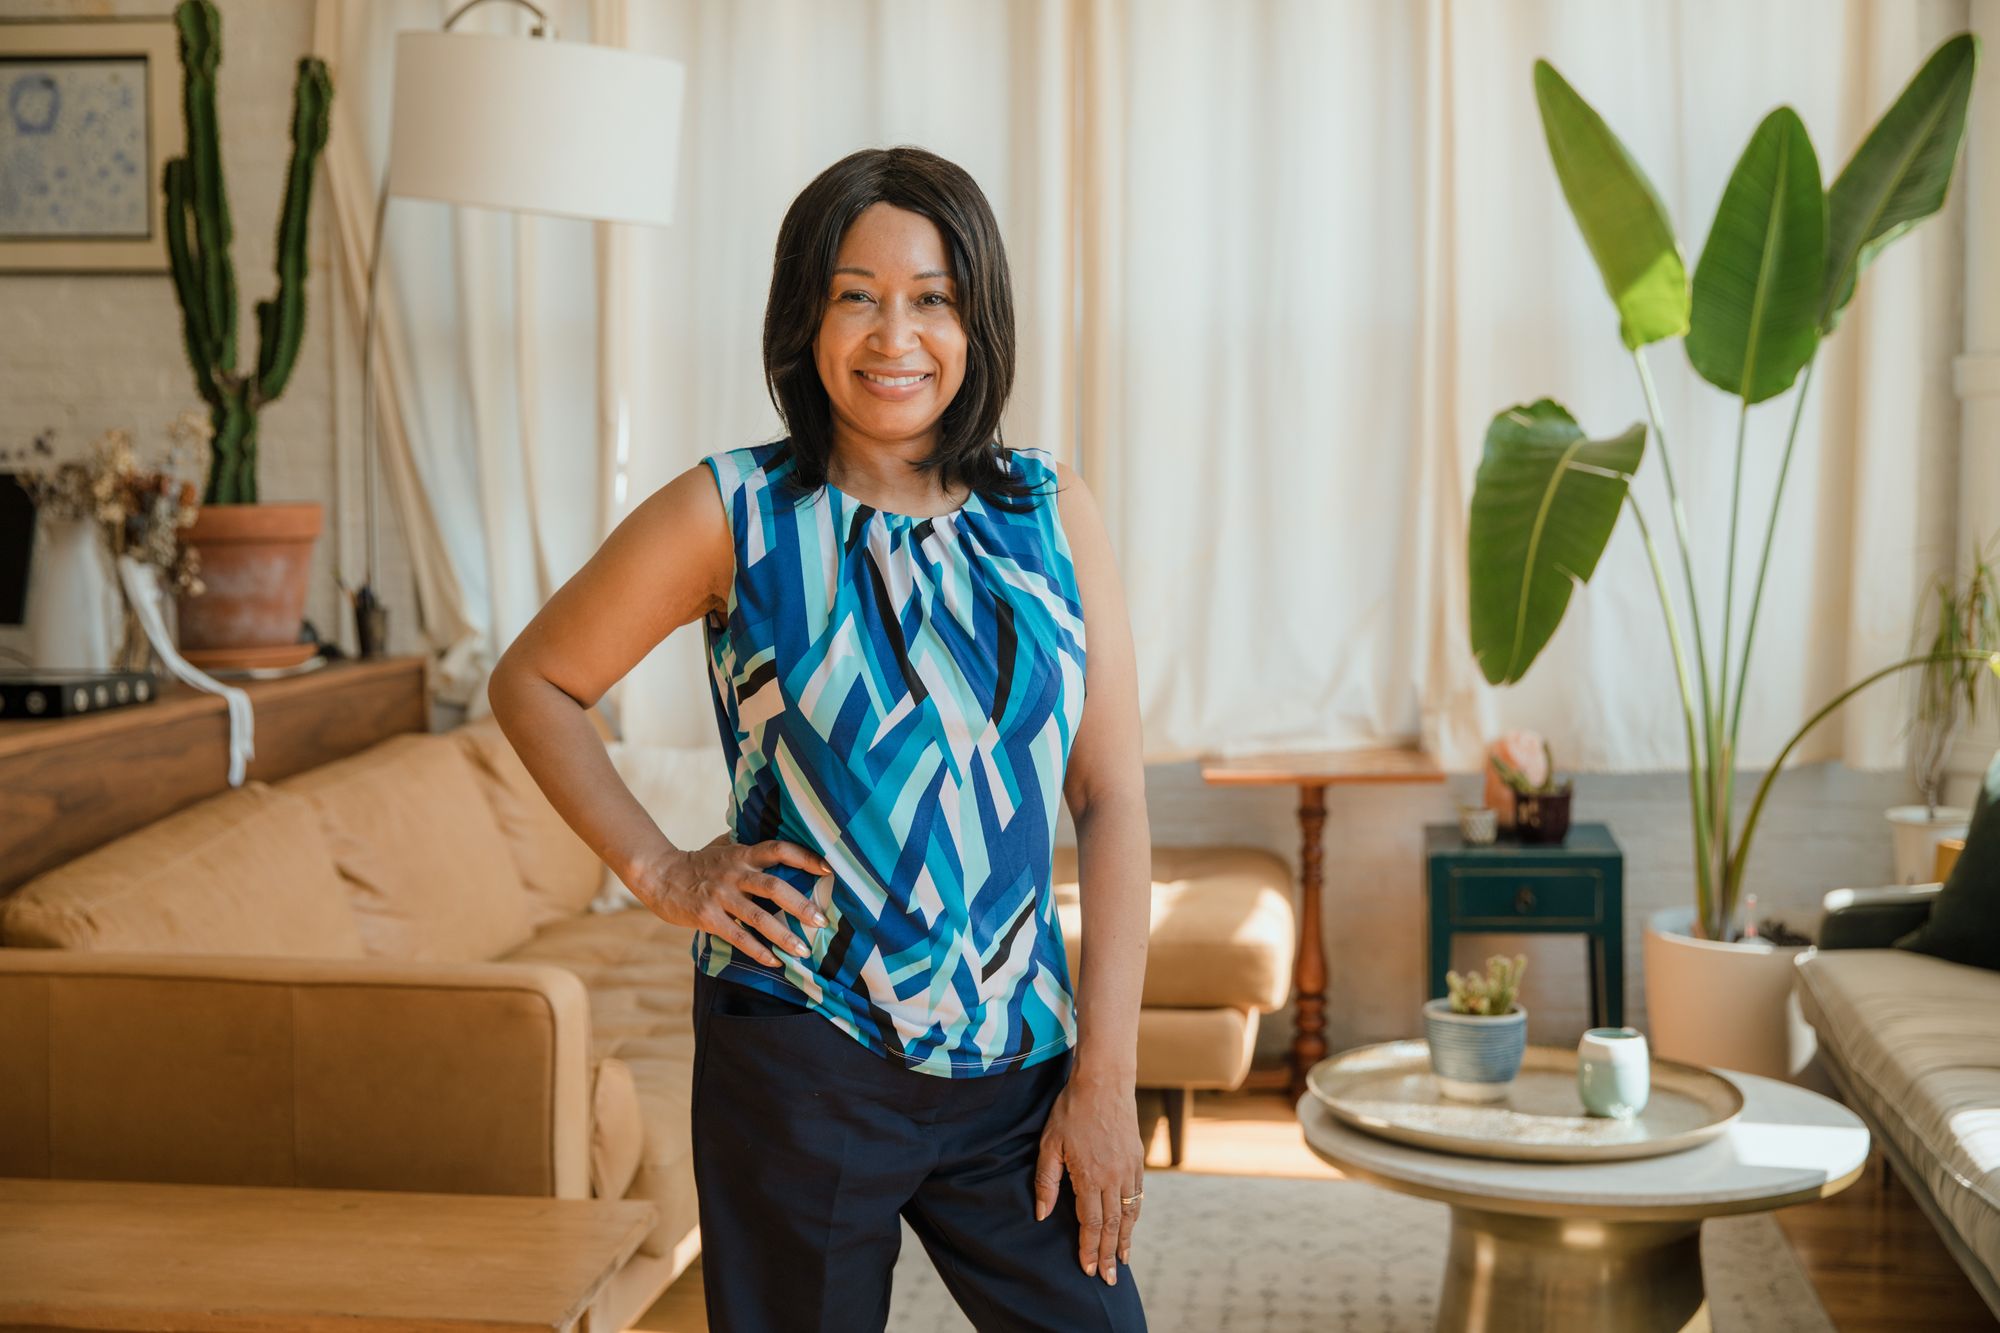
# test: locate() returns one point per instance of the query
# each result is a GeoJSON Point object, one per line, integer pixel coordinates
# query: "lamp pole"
{"type": "Point", "coordinates": [371, 618]}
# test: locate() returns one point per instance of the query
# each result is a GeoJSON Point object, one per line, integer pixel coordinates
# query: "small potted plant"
{"type": "Point", "coordinates": [1957, 620]}
{"type": "Point", "coordinates": [1526, 769]}
{"type": "Point", "coordinates": [1479, 1032]}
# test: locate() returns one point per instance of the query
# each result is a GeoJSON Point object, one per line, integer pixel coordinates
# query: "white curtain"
{"type": "Point", "coordinates": [1333, 247]}
{"type": "Point", "coordinates": [1276, 266]}
{"type": "Point", "coordinates": [487, 370]}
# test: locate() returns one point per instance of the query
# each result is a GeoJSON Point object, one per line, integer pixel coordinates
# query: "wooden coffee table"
{"type": "Point", "coordinates": [103, 1254]}
{"type": "Point", "coordinates": [1613, 1245]}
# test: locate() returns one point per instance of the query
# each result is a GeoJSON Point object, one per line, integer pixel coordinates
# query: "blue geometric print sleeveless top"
{"type": "Point", "coordinates": [899, 694]}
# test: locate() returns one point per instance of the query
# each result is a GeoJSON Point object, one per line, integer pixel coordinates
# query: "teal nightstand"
{"type": "Point", "coordinates": [1576, 887]}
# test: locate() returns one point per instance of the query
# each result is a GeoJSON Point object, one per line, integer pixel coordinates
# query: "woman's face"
{"type": "Point", "coordinates": [891, 347]}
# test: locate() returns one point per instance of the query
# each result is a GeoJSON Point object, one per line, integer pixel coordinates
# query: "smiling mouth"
{"type": "Point", "coordinates": [893, 381]}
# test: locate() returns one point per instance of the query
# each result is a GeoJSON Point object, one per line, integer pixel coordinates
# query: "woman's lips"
{"type": "Point", "coordinates": [892, 386]}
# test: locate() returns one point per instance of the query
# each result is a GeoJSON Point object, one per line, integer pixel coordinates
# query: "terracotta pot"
{"type": "Point", "coordinates": [255, 560]}
{"type": "Point", "coordinates": [1499, 799]}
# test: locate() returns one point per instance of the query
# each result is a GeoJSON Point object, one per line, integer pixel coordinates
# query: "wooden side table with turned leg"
{"type": "Point", "coordinates": [1312, 773]}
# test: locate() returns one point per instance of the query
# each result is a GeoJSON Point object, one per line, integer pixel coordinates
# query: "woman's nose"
{"type": "Point", "coordinates": [895, 331]}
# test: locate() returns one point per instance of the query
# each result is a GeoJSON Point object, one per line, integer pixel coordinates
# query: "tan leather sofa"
{"type": "Point", "coordinates": [384, 974]}
{"type": "Point", "coordinates": [379, 974]}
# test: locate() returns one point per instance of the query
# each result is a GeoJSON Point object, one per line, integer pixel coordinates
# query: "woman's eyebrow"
{"type": "Point", "coordinates": [869, 273]}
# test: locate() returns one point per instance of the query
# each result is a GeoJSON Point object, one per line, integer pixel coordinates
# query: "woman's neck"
{"type": "Point", "coordinates": [882, 473]}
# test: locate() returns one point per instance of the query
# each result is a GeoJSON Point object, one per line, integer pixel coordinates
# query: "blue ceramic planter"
{"type": "Point", "coordinates": [1474, 1056]}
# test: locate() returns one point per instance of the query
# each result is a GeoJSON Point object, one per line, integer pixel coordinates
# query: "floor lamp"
{"type": "Point", "coordinates": [527, 124]}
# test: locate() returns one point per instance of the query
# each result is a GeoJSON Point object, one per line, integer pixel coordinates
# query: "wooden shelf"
{"type": "Point", "coordinates": [1323, 768]}
{"type": "Point", "coordinates": [68, 785]}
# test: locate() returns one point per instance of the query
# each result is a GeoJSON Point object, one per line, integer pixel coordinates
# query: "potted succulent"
{"type": "Point", "coordinates": [1478, 1033]}
{"type": "Point", "coordinates": [1539, 804]}
{"type": "Point", "coordinates": [254, 557]}
{"type": "Point", "coordinates": [1779, 267]}
{"type": "Point", "coordinates": [1952, 620]}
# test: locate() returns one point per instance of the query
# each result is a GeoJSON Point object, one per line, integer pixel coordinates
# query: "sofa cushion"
{"type": "Point", "coordinates": [1964, 924]}
{"type": "Point", "coordinates": [639, 974]}
{"type": "Point", "coordinates": [617, 1131]}
{"type": "Point", "coordinates": [425, 865]}
{"type": "Point", "coordinates": [558, 868]}
{"type": "Point", "coordinates": [1222, 927]}
{"type": "Point", "coordinates": [247, 871]}
{"type": "Point", "coordinates": [1196, 1048]}
{"type": "Point", "coordinates": [1914, 1037]}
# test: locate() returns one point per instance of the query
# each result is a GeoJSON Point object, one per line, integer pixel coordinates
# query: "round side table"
{"type": "Point", "coordinates": [1604, 1246]}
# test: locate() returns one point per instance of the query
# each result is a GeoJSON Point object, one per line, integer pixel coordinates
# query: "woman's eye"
{"type": "Point", "coordinates": [851, 296]}
{"type": "Point", "coordinates": [942, 299]}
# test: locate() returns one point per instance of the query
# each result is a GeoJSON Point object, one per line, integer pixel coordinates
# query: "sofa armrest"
{"type": "Point", "coordinates": [1874, 918]}
{"type": "Point", "coordinates": [460, 1077]}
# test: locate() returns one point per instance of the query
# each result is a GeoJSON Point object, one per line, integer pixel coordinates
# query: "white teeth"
{"type": "Point", "coordinates": [894, 381]}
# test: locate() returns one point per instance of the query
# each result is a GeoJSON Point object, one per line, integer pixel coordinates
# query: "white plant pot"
{"type": "Point", "coordinates": [73, 606]}
{"type": "Point", "coordinates": [1726, 1006]}
{"type": "Point", "coordinates": [1917, 837]}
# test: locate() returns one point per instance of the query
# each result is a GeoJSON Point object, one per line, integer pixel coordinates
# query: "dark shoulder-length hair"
{"type": "Point", "coordinates": [969, 448]}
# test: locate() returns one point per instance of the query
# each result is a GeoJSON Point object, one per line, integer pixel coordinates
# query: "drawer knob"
{"type": "Point", "coordinates": [1524, 901]}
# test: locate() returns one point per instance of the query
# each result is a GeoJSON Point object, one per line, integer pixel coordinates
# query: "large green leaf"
{"type": "Point", "coordinates": [1543, 507]}
{"type": "Point", "coordinates": [1901, 172]}
{"type": "Point", "coordinates": [1757, 288]}
{"type": "Point", "coordinates": [1620, 216]}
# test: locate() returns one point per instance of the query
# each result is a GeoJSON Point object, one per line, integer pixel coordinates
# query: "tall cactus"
{"type": "Point", "coordinates": [205, 278]}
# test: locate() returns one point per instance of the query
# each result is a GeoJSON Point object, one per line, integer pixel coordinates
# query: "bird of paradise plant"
{"type": "Point", "coordinates": [1780, 265]}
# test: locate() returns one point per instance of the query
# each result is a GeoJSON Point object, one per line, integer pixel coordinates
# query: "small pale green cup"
{"type": "Point", "coordinates": [1614, 1072]}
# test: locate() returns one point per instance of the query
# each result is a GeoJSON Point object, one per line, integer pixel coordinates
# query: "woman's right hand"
{"type": "Point", "coordinates": [710, 888]}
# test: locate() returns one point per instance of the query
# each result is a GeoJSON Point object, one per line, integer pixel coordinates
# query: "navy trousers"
{"type": "Point", "coordinates": [808, 1147]}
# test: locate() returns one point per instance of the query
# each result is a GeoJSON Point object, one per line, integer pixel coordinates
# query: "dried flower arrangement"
{"type": "Point", "coordinates": [140, 510]}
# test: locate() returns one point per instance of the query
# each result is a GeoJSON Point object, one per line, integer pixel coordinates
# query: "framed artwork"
{"type": "Point", "coordinates": [88, 118]}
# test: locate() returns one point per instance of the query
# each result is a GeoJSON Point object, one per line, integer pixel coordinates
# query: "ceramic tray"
{"type": "Point", "coordinates": [1388, 1089]}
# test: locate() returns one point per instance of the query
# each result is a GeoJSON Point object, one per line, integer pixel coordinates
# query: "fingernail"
{"type": "Point", "coordinates": [1091, 1268]}
{"type": "Point", "coordinates": [1111, 1274]}
{"type": "Point", "coordinates": [819, 919]}
{"type": "Point", "coordinates": [1041, 1210]}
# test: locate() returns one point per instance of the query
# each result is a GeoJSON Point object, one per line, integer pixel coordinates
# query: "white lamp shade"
{"type": "Point", "coordinates": [536, 126]}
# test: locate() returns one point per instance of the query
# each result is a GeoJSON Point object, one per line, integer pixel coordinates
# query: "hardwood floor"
{"type": "Point", "coordinates": [1872, 1256]}
{"type": "Point", "coordinates": [1877, 1262]}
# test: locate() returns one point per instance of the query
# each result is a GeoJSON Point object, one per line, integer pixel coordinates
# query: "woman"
{"type": "Point", "coordinates": [894, 607]}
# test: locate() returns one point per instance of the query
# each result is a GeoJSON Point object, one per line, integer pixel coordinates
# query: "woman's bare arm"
{"type": "Point", "coordinates": [1091, 1131]}
{"type": "Point", "coordinates": [670, 562]}
{"type": "Point", "coordinates": [1105, 788]}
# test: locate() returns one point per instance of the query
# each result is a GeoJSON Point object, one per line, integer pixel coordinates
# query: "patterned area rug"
{"type": "Point", "coordinates": [1256, 1254]}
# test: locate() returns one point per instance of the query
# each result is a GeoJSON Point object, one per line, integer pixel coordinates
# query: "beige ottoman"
{"type": "Point", "coordinates": [1219, 954]}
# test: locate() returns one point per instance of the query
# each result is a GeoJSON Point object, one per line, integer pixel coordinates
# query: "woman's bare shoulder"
{"type": "Point", "coordinates": [666, 564]}
{"type": "Point", "coordinates": [687, 522]}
